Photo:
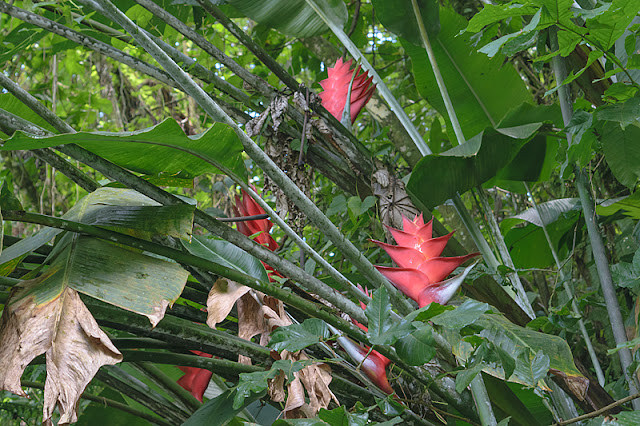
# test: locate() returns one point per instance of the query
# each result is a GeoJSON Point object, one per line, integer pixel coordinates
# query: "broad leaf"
{"type": "Point", "coordinates": [437, 178]}
{"type": "Point", "coordinates": [227, 254]}
{"type": "Point", "coordinates": [398, 17]}
{"type": "Point", "coordinates": [379, 312]}
{"type": "Point", "coordinates": [417, 348]}
{"type": "Point", "coordinates": [622, 150]}
{"type": "Point", "coordinates": [462, 316]}
{"type": "Point", "coordinates": [220, 410]}
{"type": "Point", "coordinates": [293, 17]}
{"type": "Point", "coordinates": [629, 205]}
{"type": "Point", "coordinates": [482, 90]}
{"type": "Point", "coordinates": [43, 317]}
{"type": "Point", "coordinates": [163, 149]}
{"type": "Point", "coordinates": [296, 337]}
{"type": "Point", "coordinates": [548, 212]}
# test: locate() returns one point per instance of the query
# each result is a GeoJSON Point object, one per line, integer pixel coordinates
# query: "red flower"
{"type": "Point", "coordinates": [336, 88]}
{"type": "Point", "coordinates": [422, 270]}
{"type": "Point", "coordinates": [247, 206]}
{"type": "Point", "coordinates": [195, 379]}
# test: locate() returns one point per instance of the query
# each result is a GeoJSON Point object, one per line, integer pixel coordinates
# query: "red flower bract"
{"type": "Point", "coordinates": [336, 88]}
{"type": "Point", "coordinates": [247, 206]}
{"type": "Point", "coordinates": [421, 269]}
{"type": "Point", "coordinates": [196, 380]}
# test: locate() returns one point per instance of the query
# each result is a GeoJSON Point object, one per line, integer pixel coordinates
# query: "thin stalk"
{"type": "Point", "coordinates": [569, 291]}
{"type": "Point", "coordinates": [382, 87]}
{"type": "Point", "coordinates": [521, 294]}
{"type": "Point", "coordinates": [109, 403]}
{"type": "Point", "coordinates": [457, 129]}
{"type": "Point", "coordinates": [597, 246]}
{"type": "Point", "coordinates": [483, 403]}
{"type": "Point", "coordinates": [258, 156]}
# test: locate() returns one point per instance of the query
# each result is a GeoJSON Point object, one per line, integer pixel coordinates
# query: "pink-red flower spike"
{"type": "Point", "coordinates": [421, 269]}
{"type": "Point", "coordinates": [196, 380]}
{"type": "Point", "coordinates": [336, 88]}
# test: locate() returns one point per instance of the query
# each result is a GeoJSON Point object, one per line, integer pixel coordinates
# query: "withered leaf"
{"type": "Point", "coordinates": [222, 296]}
{"type": "Point", "coordinates": [55, 321]}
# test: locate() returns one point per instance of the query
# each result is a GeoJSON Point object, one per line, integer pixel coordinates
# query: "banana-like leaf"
{"type": "Point", "coordinates": [548, 212]}
{"type": "Point", "coordinates": [520, 342]}
{"type": "Point", "coordinates": [482, 90]}
{"type": "Point", "coordinates": [119, 209]}
{"type": "Point", "coordinates": [292, 17]}
{"type": "Point", "coordinates": [225, 253]}
{"type": "Point", "coordinates": [161, 150]}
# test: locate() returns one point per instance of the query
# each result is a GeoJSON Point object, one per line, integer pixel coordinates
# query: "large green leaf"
{"type": "Point", "coordinates": [438, 177]}
{"type": "Point", "coordinates": [296, 337]}
{"type": "Point", "coordinates": [482, 90]}
{"type": "Point", "coordinates": [163, 149]}
{"type": "Point", "coordinates": [622, 150]}
{"type": "Point", "coordinates": [292, 17]}
{"type": "Point", "coordinates": [120, 276]}
{"type": "Point", "coordinates": [220, 410]}
{"type": "Point", "coordinates": [397, 16]}
{"type": "Point", "coordinates": [227, 254]}
{"type": "Point", "coordinates": [629, 205]}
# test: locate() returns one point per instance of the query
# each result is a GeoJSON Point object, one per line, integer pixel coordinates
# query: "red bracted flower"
{"type": "Point", "coordinates": [247, 206]}
{"type": "Point", "coordinates": [336, 88]}
{"type": "Point", "coordinates": [196, 380]}
{"type": "Point", "coordinates": [422, 270]}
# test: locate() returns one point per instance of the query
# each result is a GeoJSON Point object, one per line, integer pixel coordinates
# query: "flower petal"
{"type": "Point", "coordinates": [437, 269]}
{"type": "Point", "coordinates": [434, 247]}
{"type": "Point", "coordinates": [405, 257]}
{"type": "Point", "coordinates": [409, 281]}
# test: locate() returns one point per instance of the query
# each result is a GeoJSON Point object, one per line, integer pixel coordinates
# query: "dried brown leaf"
{"type": "Point", "coordinates": [222, 296]}
{"type": "Point", "coordinates": [63, 328]}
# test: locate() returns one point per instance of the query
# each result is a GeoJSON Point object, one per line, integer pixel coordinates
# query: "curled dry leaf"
{"type": "Point", "coordinates": [222, 296]}
{"type": "Point", "coordinates": [394, 200]}
{"type": "Point", "coordinates": [37, 321]}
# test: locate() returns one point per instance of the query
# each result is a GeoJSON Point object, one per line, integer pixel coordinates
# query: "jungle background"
{"type": "Point", "coordinates": [135, 131]}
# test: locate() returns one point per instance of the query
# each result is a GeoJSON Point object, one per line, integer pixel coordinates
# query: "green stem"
{"type": "Point", "coordinates": [521, 294]}
{"type": "Point", "coordinates": [382, 87]}
{"type": "Point", "coordinates": [483, 403]}
{"type": "Point", "coordinates": [258, 156]}
{"type": "Point", "coordinates": [569, 291]}
{"type": "Point", "coordinates": [109, 403]}
{"type": "Point", "coordinates": [597, 247]}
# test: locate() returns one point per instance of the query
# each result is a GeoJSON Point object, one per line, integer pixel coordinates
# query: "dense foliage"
{"type": "Point", "coordinates": [192, 211]}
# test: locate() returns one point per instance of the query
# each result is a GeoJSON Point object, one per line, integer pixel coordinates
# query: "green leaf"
{"type": "Point", "coordinates": [220, 410]}
{"type": "Point", "coordinates": [622, 150]}
{"type": "Point", "coordinates": [437, 178]}
{"type": "Point", "coordinates": [296, 337]}
{"type": "Point", "coordinates": [418, 347]}
{"type": "Point", "coordinates": [341, 417]}
{"type": "Point", "coordinates": [610, 25]}
{"type": "Point", "coordinates": [462, 316]}
{"type": "Point", "coordinates": [550, 352]}
{"type": "Point", "coordinates": [465, 377]}
{"type": "Point", "coordinates": [398, 17]}
{"type": "Point", "coordinates": [293, 17]}
{"type": "Point", "coordinates": [482, 90]}
{"type": "Point", "coordinates": [379, 313]}
{"type": "Point", "coordinates": [629, 205]}
{"type": "Point", "coordinates": [227, 254]}
{"type": "Point", "coordinates": [624, 113]}
{"type": "Point", "coordinates": [163, 149]}
{"type": "Point", "coordinates": [548, 212]}
{"type": "Point", "coordinates": [10, 103]}
{"type": "Point", "coordinates": [627, 275]}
